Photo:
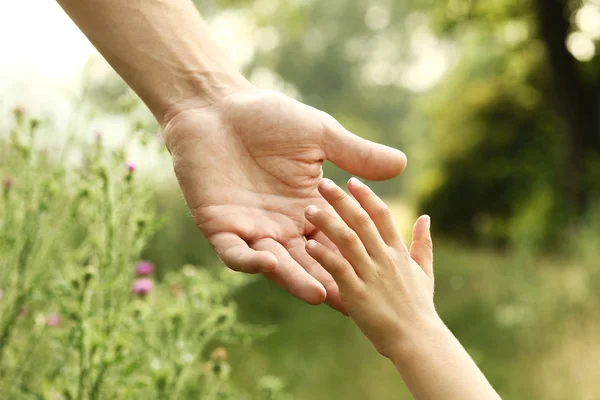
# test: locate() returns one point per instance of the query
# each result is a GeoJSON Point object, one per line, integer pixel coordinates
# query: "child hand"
{"type": "Point", "coordinates": [386, 288]}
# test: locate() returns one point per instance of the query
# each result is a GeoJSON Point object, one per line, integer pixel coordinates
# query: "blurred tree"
{"type": "Point", "coordinates": [526, 112]}
{"type": "Point", "coordinates": [505, 144]}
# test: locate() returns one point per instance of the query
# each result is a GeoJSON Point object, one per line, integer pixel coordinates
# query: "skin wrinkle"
{"type": "Point", "coordinates": [287, 151]}
{"type": "Point", "coordinates": [272, 161]}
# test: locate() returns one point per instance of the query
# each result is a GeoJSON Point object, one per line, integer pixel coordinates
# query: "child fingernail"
{"type": "Point", "coordinates": [311, 211]}
{"type": "Point", "coordinates": [311, 244]}
{"type": "Point", "coordinates": [327, 184]}
{"type": "Point", "coordinates": [354, 182]}
{"type": "Point", "coordinates": [427, 221]}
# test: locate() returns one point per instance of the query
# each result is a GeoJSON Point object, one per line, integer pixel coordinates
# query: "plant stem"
{"type": "Point", "coordinates": [21, 294]}
{"type": "Point", "coordinates": [84, 368]}
{"type": "Point", "coordinates": [95, 392]}
{"type": "Point", "coordinates": [104, 270]}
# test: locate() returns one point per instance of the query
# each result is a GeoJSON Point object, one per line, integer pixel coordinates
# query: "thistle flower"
{"type": "Point", "coordinates": [1, 294]}
{"type": "Point", "coordinates": [142, 286]}
{"type": "Point", "coordinates": [144, 268]}
{"type": "Point", "coordinates": [8, 182]}
{"type": "Point", "coordinates": [131, 167]}
{"type": "Point", "coordinates": [53, 320]}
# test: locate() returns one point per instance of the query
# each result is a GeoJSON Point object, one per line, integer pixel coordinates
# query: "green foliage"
{"type": "Point", "coordinates": [500, 134]}
{"type": "Point", "coordinates": [75, 321]}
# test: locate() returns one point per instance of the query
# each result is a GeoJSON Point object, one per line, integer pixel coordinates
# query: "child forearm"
{"type": "Point", "coordinates": [434, 365]}
{"type": "Point", "coordinates": [387, 289]}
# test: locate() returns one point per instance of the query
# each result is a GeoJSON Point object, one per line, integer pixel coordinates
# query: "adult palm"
{"type": "Point", "coordinates": [248, 166]}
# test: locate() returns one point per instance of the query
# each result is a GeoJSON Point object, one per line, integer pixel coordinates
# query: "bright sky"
{"type": "Point", "coordinates": [41, 53]}
{"type": "Point", "coordinates": [38, 34]}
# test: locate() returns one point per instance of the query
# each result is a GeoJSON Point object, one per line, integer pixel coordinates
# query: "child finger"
{"type": "Point", "coordinates": [354, 215]}
{"type": "Point", "coordinates": [421, 248]}
{"type": "Point", "coordinates": [379, 212]}
{"type": "Point", "coordinates": [339, 268]}
{"type": "Point", "coordinates": [346, 240]}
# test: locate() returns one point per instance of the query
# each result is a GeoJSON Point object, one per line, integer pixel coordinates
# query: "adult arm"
{"type": "Point", "coordinates": [161, 48]}
{"type": "Point", "coordinates": [248, 161]}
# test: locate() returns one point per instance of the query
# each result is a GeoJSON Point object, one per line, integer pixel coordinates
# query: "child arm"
{"type": "Point", "coordinates": [388, 292]}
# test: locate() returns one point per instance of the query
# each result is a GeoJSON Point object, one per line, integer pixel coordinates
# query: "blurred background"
{"type": "Point", "coordinates": [496, 105]}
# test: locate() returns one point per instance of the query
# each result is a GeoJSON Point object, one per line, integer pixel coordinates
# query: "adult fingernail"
{"type": "Point", "coordinates": [311, 211]}
{"type": "Point", "coordinates": [327, 184]}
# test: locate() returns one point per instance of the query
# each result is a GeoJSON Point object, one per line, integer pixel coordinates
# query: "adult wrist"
{"type": "Point", "coordinates": [201, 91]}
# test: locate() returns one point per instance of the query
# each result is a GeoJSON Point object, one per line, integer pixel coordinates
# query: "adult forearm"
{"type": "Point", "coordinates": [434, 365]}
{"type": "Point", "coordinates": [161, 48]}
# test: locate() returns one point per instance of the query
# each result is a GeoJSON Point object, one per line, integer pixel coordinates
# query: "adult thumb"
{"type": "Point", "coordinates": [358, 156]}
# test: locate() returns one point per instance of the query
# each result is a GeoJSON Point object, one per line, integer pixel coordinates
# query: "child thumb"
{"type": "Point", "coordinates": [421, 248]}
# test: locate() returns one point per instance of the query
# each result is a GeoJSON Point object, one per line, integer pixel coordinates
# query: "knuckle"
{"type": "Point", "coordinates": [383, 212]}
{"type": "Point", "coordinates": [359, 292]}
{"type": "Point", "coordinates": [340, 265]}
{"type": "Point", "coordinates": [348, 237]}
{"type": "Point", "coordinates": [389, 260]}
{"type": "Point", "coordinates": [364, 154]}
{"type": "Point", "coordinates": [338, 195]}
{"type": "Point", "coordinates": [426, 244]}
{"type": "Point", "coordinates": [362, 218]}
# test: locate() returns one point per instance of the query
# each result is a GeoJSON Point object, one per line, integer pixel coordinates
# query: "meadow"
{"type": "Point", "coordinates": [108, 290]}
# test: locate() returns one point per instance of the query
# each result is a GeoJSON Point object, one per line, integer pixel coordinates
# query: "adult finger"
{"type": "Point", "coordinates": [359, 156]}
{"type": "Point", "coordinates": [237, 255]}
{"type": "Point", "coordinates": [290, 275]}
{"type": "Point", "coordinates": [297, 249]}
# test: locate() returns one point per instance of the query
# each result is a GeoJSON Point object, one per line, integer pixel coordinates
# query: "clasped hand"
{"type": "Point", "coordinates": [250, 164]}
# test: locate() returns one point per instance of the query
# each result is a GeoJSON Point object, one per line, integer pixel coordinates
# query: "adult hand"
{"type": "Point", "coordinates": [249, 165]}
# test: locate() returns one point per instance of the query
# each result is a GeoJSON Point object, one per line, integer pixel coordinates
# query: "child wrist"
{"type": "Point", "coordinates": [419, 334]}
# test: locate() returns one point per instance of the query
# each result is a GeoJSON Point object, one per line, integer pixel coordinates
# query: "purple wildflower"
{"type": "Point", "coordinates": [53, 320]}
{"type": "Point", "coordinates": [131, 167]}
{"type": "Point", "coordinates": [142, 286]}
{"type": "Point", "coordinates": [144, 268]}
